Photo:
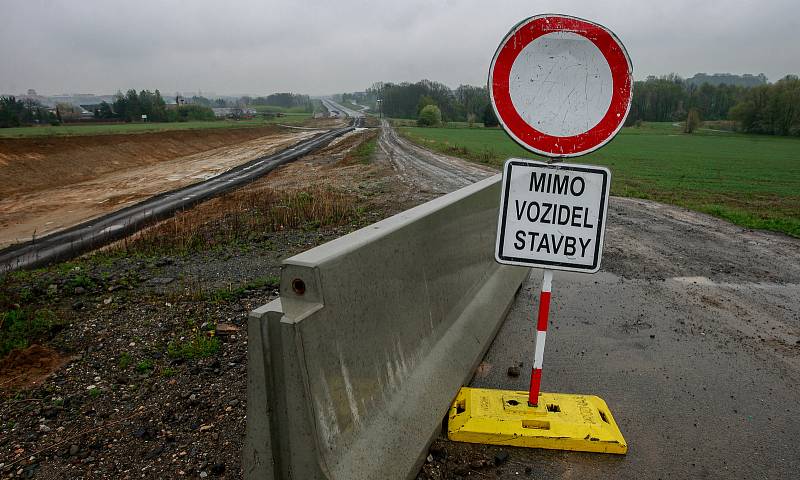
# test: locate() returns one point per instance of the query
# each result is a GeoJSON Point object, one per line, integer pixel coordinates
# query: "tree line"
{"type": "Point", "coordinates": [772, 109]}
{"type": "Point", "coordinates": [764, 108]}
{"type": "Point", "coordinates": [282, 100]}
{"type": "Point", "coordinates": [131, 106]}
{"type": "Point", "coordinates": [15, 112]}
{"type": "Point", "coordinates": [466, 103]}
{"type": "Point", "coordinates": [670, 98]}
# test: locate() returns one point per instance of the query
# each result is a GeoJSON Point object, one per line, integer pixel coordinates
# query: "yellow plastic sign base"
{"type": "Point", "coordinates": [560, 422]}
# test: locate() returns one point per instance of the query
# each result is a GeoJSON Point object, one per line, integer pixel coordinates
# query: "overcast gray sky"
{"type": "Point", "coordinates": [318, 47]}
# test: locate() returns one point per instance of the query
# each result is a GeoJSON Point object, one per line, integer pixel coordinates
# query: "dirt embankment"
{"type": "Point", "coordinates": [51, 184]}
{"type": "Point", "coordinates": [33, 164]}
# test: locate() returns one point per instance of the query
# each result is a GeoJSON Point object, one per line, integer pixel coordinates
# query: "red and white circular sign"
{"type": "Point", "coordinates": [561, 86]}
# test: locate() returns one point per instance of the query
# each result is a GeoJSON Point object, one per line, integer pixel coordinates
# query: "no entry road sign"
{"type": "Point", "coordinates": [561, 86]}
{"type": "Point", "coordinates": [552, 216]}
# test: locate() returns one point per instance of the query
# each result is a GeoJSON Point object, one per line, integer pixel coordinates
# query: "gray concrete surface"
{"type": "Point", "coordinates": [380, 329]}
{"type": "Point", "coordinates": [339, 110]}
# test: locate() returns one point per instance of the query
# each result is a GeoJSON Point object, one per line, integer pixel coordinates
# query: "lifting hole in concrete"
{"type": "Point", "coordinates": [513, 403]}
{"type": "Point", "coordinates": [298, 286]}
{"type": "Point", "coordinates": [552, 407]}
{"type": "Point", "coordinates": [461, 406]}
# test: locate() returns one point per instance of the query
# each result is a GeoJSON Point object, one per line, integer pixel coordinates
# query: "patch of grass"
{"type": "Point", "coordinates": [276, 109]}
{"type": "Point", "coordinates": [242, 217]}
{"type": "Point", "coordinates": [167, 372]}
{"type": "Point", "coordinates": [233, 293]}
{"type": "Point", "coordinates": [364, 151]}
{"type": "Point", "coordinates": [124, 360]}
{"type": "Point", "coordinates": [95, 392]}
{"type": "Point", "coordinates": [750, 180]}
{"type": "Point", "coordinates": [67, 268]}
{"type": "Point", "coordinates": [22, 326]}
{"type": "Point", "coordinates": [19, 275]}
{"type": "Point", "coordinates": [81, 280]}
{"type": "Point", "coordinates": [198, 345]}
{"type": "Point", "coordinates": [145, 366]}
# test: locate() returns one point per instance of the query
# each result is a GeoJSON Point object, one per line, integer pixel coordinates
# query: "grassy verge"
{"type": "Point", "coordinates": [364, 151]}
{"type": "Point", "coordinates": [275, 109]}
{"type": "Point", "coordinates": [750, 180]}
{"type": "Point", "coordinates": [245, 215]}
{"type": "Point", "coordinates": [406, 122]}
{"type": "Point", "coordinates": [118, 128]}
{"type": "Point", "coordinates": [231, 293]}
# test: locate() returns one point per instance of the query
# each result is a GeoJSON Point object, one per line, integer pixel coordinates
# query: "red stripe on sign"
{"type": "Point", "coordinates": [536, 381]}
{"type": "Point", "coordinates": [544, 311]}
{"type": "Point", "coordinates": [540, 142]}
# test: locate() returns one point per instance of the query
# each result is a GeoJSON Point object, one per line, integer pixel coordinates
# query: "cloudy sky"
{"type": "Point", "coordinates": [319, 47]}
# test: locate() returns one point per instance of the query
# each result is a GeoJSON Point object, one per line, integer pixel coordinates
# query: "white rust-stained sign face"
{"type": "Point", "coordinates": [561, 86]}
{"type": "Point", "coordinates": [552, 215]}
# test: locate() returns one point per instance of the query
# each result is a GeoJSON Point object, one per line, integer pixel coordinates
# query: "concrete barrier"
{"type": "Point", "coordinates": [351, 372]}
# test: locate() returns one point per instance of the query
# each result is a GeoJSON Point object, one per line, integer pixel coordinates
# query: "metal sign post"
{"type": "Point", "coordinates": [561, 87]}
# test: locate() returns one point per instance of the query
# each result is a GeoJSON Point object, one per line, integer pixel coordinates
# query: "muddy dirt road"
{"type": "Point", "coordinates": [690, 332]}
{"type": "Point", "coordinates": [432, 174]}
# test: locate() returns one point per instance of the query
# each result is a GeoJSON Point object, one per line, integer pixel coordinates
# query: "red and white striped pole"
{"type": "Point", "coordinates": [541, 333]}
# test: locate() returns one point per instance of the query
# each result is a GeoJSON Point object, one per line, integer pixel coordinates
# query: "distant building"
{"type": "Point", "coordinates": [233, 112]}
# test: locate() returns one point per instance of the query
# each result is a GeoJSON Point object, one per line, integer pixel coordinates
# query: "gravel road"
{"type": "Point", "coordinates": [690, 332]}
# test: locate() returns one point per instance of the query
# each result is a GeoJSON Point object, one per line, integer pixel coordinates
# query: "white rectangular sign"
{"type": "Point", "coordinates": [552, 215]}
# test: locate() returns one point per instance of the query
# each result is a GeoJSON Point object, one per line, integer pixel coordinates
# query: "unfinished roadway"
{"type": "Point", "coordinates": [690, 332]}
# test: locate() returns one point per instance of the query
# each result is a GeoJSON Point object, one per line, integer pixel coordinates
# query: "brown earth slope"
{"type": "Point", "coordinates": [32, 164]}
{"type": "Point", "coordinates": [49, 184]}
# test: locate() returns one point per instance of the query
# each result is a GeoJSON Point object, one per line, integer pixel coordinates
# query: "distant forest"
{"type": "Point", "coordinates": [752, 104]}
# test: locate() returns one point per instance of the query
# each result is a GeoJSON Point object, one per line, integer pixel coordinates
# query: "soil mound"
{"type": "Point", "coordinates": [27, 368]}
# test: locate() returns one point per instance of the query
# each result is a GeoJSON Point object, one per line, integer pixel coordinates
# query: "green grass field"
{"type": "Point", "coordinates": [404, 122]}
{"type": "Point", "coordinates": [274, 109]}
{"type": "Point", "coordinates": [111, 129]}
{"type": "Point", "coordinates": [751, 180]}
